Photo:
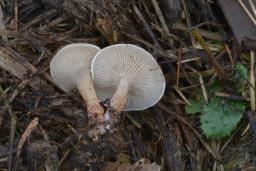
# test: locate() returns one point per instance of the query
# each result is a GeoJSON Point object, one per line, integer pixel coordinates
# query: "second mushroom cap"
{"type": "Point", "coordinates": [133, 66]}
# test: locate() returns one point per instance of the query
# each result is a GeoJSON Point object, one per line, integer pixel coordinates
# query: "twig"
{"type": "Point", "coordinates": [215, 64]}
{"type": "Point", "coordinates": [181, 95]}
{"type": "Point", "coordinates": [201, 81]}
{"type": "Point", "coordinates": [198, 135]}
{"type": "Point", "coordinates": [12, 136]}
{"type": "Point", "coordinates": [134, 122]}
{"type": "Point", "coordinates": [160, 16]}
{"type": "Point", "coordinates": [32, 125]}
{"type": "Point", "coordinates": [230, 138]}
{"type": "Point", "coordinates": [2, 24]}
{"type": "Point", "coordinates": [178, 68]}
{"type": "Point", "coordinates": [253, 7]}
{"type": "Point", "coordinates": [188, 20]}
{"type": "Point", "coordinates": [247, 12]}
{"type": "Point", "coordinates": [161, 19]}
{"type": "Point", "coordinates": [189, 87]}
{"type": "Point", "coordinates": [229, 54]}
{"type": "Point", "coordinates": [252, 81]}
{"type": "Point", "coordinates": [204, 33]}
{"type": "Point", "coordinates": [203, 87]}
{"type": "Point", "coordinates": [142, 19]}
{"type": "Point", "coordinates": [64, 157]}
{"type": "Point", "coordinates": [189, 60]}
{"type": "Point", "coordinates": [16, 14]}
{"type": "Point", "coordinates": [231, 96]}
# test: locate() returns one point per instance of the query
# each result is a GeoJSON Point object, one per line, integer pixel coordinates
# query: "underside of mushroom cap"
{"type": "Point", "coordinates": [134, 64]}
{"type": "Point", "coordinates": [66, 65]}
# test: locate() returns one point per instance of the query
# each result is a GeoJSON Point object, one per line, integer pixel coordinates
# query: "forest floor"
{"type": "Point", "coordinates": [206, 120]}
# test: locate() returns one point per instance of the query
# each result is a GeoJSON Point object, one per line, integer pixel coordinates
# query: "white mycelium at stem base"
{"type": "Point", "coordinates": [119, 99]}
{"type": "Point", "coordinates": [70, 68]}
{"type": "Point", "coordinates": [129, 76]}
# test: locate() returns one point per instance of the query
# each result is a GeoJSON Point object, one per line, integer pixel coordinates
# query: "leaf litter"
{"type": "Point", "coordinates": [193, 43]}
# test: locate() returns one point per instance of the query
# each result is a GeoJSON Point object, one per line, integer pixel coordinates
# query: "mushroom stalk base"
{"type": "Point", "coordinates": [119, 100]}
{"type": "Point", "coordinates": [87, 91]}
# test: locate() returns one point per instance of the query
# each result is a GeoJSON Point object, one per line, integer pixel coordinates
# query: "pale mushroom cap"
{"type": "Point", "coordinates": [126, 61]}
{"type": "Point", "coordinates": [66, 65]}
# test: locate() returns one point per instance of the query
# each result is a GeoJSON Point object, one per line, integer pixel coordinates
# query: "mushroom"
{"type": "Point", "coordinates": [129, 75]}
{"type": "Point", "coordinates": [69, 68]}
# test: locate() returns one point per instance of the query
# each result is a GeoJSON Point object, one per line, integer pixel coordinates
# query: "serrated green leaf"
{"type": "Point", "coordinates": [220, 117]}
{"type": "Point", "coordinates": [198, 104]}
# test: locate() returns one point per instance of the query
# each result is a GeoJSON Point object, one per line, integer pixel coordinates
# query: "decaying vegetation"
{"type": "Point", "coordinates": [205, 121]}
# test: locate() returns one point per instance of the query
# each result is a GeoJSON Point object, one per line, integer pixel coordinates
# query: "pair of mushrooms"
{"type": "Point", "coordinates": [124, 73]}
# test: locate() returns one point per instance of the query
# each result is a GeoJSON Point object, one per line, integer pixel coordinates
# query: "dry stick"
{"type": "Point", "coordinates": [16, 92]}
{"type": "Point", "coordinates": [229, 54]}
{"type": "Point", "coordinates": [160, 16]}
{"type": "Point", "coordinates": [178, 68]}
{"type": "Point", "coordinates": [230, 138]}
{"type": "Point", "coordinates": [203, 87]}
{"type": "Point", "coordinates": [252, 88]}
{"type": "Point", "coordinates": [2, 24]}
{"type": "Point", "coordinates": [37, 19]}
{"type": "Point", "coordinates": [28, 65]}
{"type": "Point", "coordinates": [204, 33]}
{"type": "Point", "coordinates": [201, 81]}
{"type": "Point", "coordinates": [188, 20]}
{"type": "Point", "coordinates": [161, 19]}
{"type": "Point", "coordinates": [133, 121]}
{"type": "Point", "coordinates": [12, 135]}
{"type": "Point", "coordinates": [198, 135]}
{"type": "Point", "coordinates": [253, 7]}
{"type": "Point", "coordinates": [252, 82]}
{"type": "Point", "coordinates": [231, 96]}
{"type": "Point", "coordinates": [247, 12]}
{"type": "Point", "coordinates": [16, 68]}
{"type": "Point", "coordinates": [145, 24]}
{"type": "Point", "coordinates": [64, 157]}
{"type": "Point", "coordinates": [12, 131]}
{"type": "Point", "coordinates": [32, 125]}
{"type": "Point", "coordinates": [189, 87]}
{"type": "Point", "coordinates": [16, 14]}
{"type": "Point", "coordinates": [189, 60]}
{"type": "Point", "coordinates": [182, 95]}
{"type": "Point", "coordinates": [215, 64]}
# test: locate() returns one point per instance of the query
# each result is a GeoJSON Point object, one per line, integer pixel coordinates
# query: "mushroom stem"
{"type": "Point", "coordinates": [118, 101]}
{"type": "Point", "coordinates": [87, 91]}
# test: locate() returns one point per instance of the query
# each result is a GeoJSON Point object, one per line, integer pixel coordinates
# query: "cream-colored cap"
{"type": "Point", "coordinates": [68, 62]}
{"type": "Point", "coordinates": [145, 78]}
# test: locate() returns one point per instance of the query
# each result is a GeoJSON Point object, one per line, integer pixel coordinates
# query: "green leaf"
{"type": "Point", "coordinates": [220, 117]}
{"type": "Point", "coordinates": [239, 78]}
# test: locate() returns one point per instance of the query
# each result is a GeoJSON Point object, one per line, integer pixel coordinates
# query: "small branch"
{"type": "Point", "coordinates": [203, 87]}
{"type": "Point", "coordinates": [182, 95]}
{"type": "Point", "coordinates": [178, 68]}
{"type": "Point", "coordinates": [32, 125]}
{"type": "Point", "coordinates": [147, 28]}
{"type": "Point", "coordinates": [188, 20]}
{"type": "Point", "coordinates": [253, 7]}
{"type": "Point", "coordinates": [161, 19]}
{"type": "Point", "coordinates": [214, 62]}
{"type": "Point", "coordinates": [247, 12]}
{"type": "Point", "coordinates": [12, 136]}
{"type": "Point", "coordinates": [197, 134]}
{"type": "Point", "coordinates": [252, 82]}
